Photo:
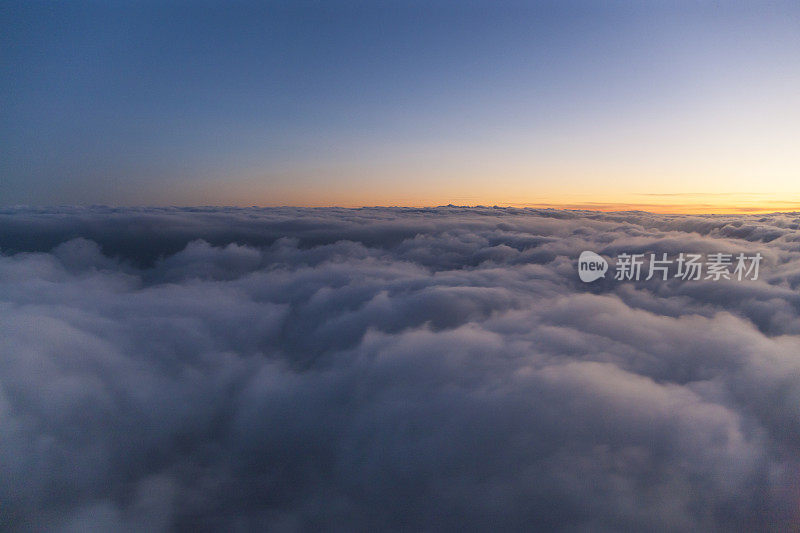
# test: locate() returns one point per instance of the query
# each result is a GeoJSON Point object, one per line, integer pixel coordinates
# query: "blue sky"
{"type": "Point", "coordinates": [415, 103]}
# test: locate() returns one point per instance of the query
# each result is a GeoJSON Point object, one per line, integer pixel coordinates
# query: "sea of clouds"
{"type": "Point", "coordinates": [436, 369]}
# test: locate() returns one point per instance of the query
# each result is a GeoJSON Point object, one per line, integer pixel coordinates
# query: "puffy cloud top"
{"type": "Point", "coordinates": [401, 369]}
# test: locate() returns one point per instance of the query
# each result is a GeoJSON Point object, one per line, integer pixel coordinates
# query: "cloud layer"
{"type": "Point", "coordinates": [401, 369]}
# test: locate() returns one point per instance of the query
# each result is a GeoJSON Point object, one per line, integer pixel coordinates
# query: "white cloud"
{"type": "Point", "coordinates": [391, 368]}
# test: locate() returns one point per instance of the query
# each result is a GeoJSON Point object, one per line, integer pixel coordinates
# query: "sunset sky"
{"type": "Point", "coordinates": [410, 265]}
{"type": "Point", "coordinates": [660, 106]}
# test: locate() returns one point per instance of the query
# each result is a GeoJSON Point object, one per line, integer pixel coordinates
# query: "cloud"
{"type": "Point", "coordinates": [300, 369]}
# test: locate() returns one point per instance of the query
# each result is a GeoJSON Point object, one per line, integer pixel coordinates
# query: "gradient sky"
{"type": "Point", "coordinates": [672, 106]}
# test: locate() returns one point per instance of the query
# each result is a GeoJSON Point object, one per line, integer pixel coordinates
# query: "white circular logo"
{"type": "Point", "coordinates": [591, 266]}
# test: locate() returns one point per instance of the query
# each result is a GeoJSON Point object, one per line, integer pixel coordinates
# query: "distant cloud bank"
{"type": "Point", "coordinates": [392, 369]}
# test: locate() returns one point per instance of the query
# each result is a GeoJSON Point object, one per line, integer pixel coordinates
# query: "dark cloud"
{"type": "Point", "coordinates": [392, 369]}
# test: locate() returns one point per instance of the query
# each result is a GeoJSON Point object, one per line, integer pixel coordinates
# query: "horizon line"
{"type": "Point", "coordinates": [596, 207]}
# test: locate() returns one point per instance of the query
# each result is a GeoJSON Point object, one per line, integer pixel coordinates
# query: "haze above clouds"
{"type": "Point", "coordinates": [393, 369]}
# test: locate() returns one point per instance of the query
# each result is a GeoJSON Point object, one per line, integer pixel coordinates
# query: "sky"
{"type": "Point", "coordinates": [660, 106]}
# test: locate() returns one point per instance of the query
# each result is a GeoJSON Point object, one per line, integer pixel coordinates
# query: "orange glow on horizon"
{"type": "Point", "coordinates": [688, 208]}
{"type": "Point", "coordinates": [475, 192]}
